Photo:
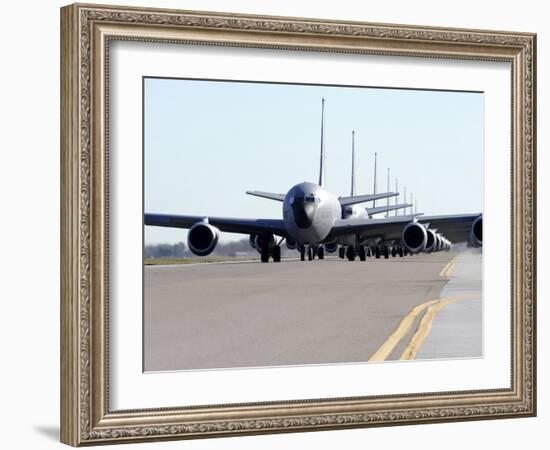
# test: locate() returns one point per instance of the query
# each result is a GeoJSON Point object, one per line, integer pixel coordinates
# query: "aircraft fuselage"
{"type": "Point", "coordinates": [309, 212]}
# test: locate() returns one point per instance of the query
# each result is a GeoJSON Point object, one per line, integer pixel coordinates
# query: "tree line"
{"type": "Point", "coordinates": [180, 249]}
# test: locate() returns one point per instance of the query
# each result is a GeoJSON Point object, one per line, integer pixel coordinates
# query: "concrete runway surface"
{"type": "Point", "coordinates": [224, 315]}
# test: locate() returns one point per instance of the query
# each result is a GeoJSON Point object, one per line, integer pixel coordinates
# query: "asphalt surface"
{"type": "Point", "coordinates": [208, 316]}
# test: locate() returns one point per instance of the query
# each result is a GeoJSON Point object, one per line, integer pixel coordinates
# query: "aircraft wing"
{"type": "Point", "coordinates": [227, 224]}
{"type": "Point", "coordinates": [346, 201]}
{"type": "Point", "coordinates": [456, 228]}
{"type": "Point", "coordinates": [382, 209]}
{"type": "Point", "coordinates": [269, 195]}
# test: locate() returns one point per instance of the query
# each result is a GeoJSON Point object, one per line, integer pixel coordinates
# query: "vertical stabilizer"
{"type": "Point", "coordinates": [374, 188]}
{"type": "Point", "coordinates": [388, 199]}
{"type": "Point", "coordinates": [396, 197]}
{"type": "Point", "coordinates": [352, 193]}
{"type": "Point", "coordinates": [322, 175]}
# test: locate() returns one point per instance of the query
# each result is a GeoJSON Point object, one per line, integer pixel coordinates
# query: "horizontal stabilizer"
{"type": "Point", "coordinates": [382, 209]}
{"type": "Point", "coordinates": [346, 201]}
{"type": "Point", "coordinates": [269, 195]}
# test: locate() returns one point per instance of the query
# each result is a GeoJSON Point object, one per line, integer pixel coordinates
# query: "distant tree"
{"type": "Point", "coordinates": [178, 250]}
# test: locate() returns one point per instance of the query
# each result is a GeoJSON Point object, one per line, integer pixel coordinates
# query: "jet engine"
{"type": "Point", "coordinates": [202, 238]}
{"type": "Point", "coordinates": [414, 237]}
{"type": "Point", "coordinates": [252, 241]}
{"type": "Point", "coordinates": [431, 241]}
{"type": "Point", "coordinates": [332, 247]}
{"type": "Point", "coordinates": [290, 244]}
{"type": "Point", "coordinates": [264, 242]}
{"type": "Point", "coordinates": [438, 242]}
{"type": "Point", "coordinates": [476, 233]}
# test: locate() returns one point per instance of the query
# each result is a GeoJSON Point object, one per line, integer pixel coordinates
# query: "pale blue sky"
{"type": "Point", "coordinates": [207, 142]}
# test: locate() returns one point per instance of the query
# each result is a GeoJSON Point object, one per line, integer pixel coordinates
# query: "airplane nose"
{"type": "Point", "coordinates": [303, 212]}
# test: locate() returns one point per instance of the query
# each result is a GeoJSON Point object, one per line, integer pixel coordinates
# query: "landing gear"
{"type": "Point", "coordinates": [377, 252]}
{"type": "Point", "coordinates": [264, 257]}
{"type": "Point", "coordinates": [321, 252]}
{"type": "Point", "coordinates": [369, 253]}
{"type": "Point", "coordinates": [350, 253]}
{"type": "Point", "coordinates": [277, 253]}
{"type": "Point", "coordinates": [401, 252]}
{"type": "Point", "coordinates": [341, 252]}
{"type": "Point", "coordinates": [393, 252]}
{"type": "Point", "coordinates": [386, 252]}
{"type": "Point", "coordinates": [302, 254]}
{"type": "Point", "coordinates": [362, 253]}
{"type": "Point", "coordinates": [310, 253]}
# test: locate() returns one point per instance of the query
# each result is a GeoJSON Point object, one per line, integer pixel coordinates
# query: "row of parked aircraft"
{"type": "Point", "coordinates": [316, 221]}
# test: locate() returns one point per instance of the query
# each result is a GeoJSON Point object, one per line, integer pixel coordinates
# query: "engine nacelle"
{"type": "Point", "coordinates": [202, 238]}
{"type": "Point", "coordinates": [264, 242]}
{"type": "Point", "coordinates": [414, 237]}
{"type": "Point", "coordinates": [332, 247]}
{"type": "Point", "coordinates": [431, 241]}
{"type": "Point", "coordinates": [438, 242]}
{"type": "Point", "coordinates": [252, 241]}
{"type": "Point", "coordinates": [476, 233]}
{"type": "Point", "coordinates": [290, 244]}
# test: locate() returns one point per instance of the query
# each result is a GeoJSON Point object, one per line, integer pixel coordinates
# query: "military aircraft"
{"type": "Point", "coordinates": [315, 218]}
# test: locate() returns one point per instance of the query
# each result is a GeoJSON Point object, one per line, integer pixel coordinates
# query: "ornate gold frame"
{"type": "Point", "coordinates": [86, 31]}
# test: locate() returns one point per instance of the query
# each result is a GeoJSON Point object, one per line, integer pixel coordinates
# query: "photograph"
{"type": "Point", "coordinates": [274, 224]}
{"type": "Point", "coordinates": [305, 224]}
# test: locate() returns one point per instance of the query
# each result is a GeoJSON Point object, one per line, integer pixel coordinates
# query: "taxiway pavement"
{"type": "Point", "coordinates": [249, 314]}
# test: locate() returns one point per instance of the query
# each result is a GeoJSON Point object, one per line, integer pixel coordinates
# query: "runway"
{"type": "Point", "coordinates": [219, 315]}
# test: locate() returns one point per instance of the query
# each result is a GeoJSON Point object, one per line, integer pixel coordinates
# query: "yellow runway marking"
{"type": "Point", "coordinates": [447, 270]}
{"type": "Point", "coordinates": [387, 347]}
{"type": "Point", "coordinates": [426, 326]}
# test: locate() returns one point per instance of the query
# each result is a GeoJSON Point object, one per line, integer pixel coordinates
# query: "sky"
{"type": "Point", "coordinates": [207, 142]}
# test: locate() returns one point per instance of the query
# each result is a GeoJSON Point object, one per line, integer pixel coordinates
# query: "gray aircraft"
{"type": "Point", "coordinates": [315, 219]}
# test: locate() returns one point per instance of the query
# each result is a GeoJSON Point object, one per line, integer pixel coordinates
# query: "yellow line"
{"type": "Point", "coordinates": [447, 270]}
{"type": "Point", "coordinates": [425, 327]}
{"type": "Point", "coordinates": [387, 347]}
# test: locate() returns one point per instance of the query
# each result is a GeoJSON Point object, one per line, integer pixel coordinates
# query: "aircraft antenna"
{"type": "Point", "coordinates": [374, 190]}
{"type": "Point", "coordinates": [353, 163]}
{"type": "Point", "coordinates": [322, 174]}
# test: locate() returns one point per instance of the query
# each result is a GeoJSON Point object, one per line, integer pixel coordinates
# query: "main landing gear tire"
{"type": "Point", "coordinates": [386, 252]}
{"type": "Point", "coordinates": [264, 256]}
{"type": "Point", "coordinates": [277, 253]}
{"type": "Point", "coordinates": [362, 253]}
{"type": "Point", "coordinates": [401, 252]}
{"type": "Point", "coordinates": [377, 252]}
{"type": "Point", "coordinates": [302, 255]}
{"type": "Point", "coordinates": [321, 252]}
{"type": "Point", "coordinates": [341, 252]}
{"type": "Point", "coordinates": [393, 252]}
{"type": "Point", "coordinates": [350, 253]}
{"type": "Point", "coordinates": [310, 254]}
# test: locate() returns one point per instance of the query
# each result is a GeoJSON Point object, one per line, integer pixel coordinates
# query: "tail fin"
{"type": "Point", "coordinates": [322, 174]}
{"type": "Point", "coordinates": [352, 193]}
{"type": "Point", "coordinates": [374, 189]}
